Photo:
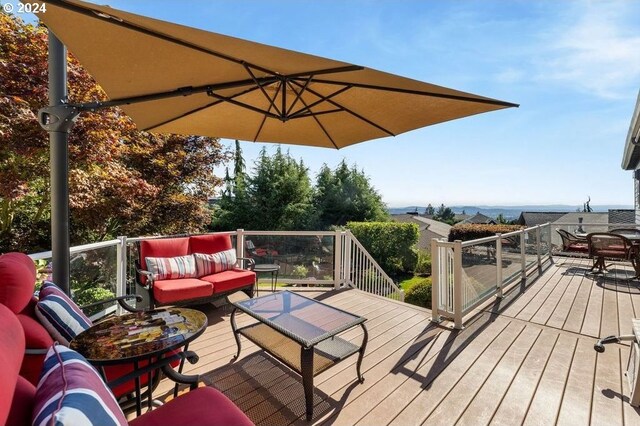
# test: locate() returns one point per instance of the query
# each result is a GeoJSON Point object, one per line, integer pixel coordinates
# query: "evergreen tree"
{"type": "Point", "coordinates": [429, 211]}
{"type": "Point", "coordinates": [345, 194]}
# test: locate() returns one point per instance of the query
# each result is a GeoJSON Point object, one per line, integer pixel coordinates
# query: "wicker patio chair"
{"type": "Point", "coordinates": [572, 243]}
{"type": "Point", "coordinates": [604, 245]}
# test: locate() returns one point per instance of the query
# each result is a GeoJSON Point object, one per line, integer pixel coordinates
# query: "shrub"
{"type": "Point", "coordinates": [471, 231]}
{"type": "Point", "coordinates": [423, 265]}
{"type": "Point", "coordinates": [300, 271]}
{"type": "Point", "coordinates": [420, 293]}
{"type": "Point", "coordinates": [389, 243]}
{"type": "Point", "coordinates": [91, 295]}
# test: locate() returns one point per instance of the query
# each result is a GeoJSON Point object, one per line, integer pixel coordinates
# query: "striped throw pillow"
{"type": "Point", "coordinates": [70, 392]}
{"type": "Point", "coordinates": [207, 264]}
{"type": "Point", "coordinates": [171, 268]}
{"type": "Point", "coordinates": [60, 315]}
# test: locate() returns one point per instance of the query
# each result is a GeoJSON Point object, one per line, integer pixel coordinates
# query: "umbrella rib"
{"type": "Point", "coordinates": [322, 99]}
{"type": "Point", "coordinates": [193, 111]}
{"type": "Point", "coordinates": [298, 94]}
{"type": "Point", "coordinates": [264, 92]}
{"type": "Point", "coordinates": [322, 127]}
{"type": "Point", "coordinates": [264, 118]}
{"type": "Point", "coordinates": [421, 92]}
{"type": "Point", "coordinates": [355, 114]}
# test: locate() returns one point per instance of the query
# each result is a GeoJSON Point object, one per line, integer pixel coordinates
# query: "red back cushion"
{"type": "Point", "coordinates": [208, 244]}
{"type": "Point", "coordinates": [17, 280]}
{"type": "Point", "coordinates": [36, 337]}
{"type": "Point", "coordinates": [164, 247]}
{"type": "Point", "coordinates": [11, 352]}
{"type": "Point", "coordinates": [22, 404]}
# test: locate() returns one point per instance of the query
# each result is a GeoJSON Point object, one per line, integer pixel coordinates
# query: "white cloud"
{"type": "Point", "coordinates": [596, 50]}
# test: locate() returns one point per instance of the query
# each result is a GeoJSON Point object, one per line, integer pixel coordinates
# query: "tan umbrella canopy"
{"type": "Point", "coordinates": [176, 79]}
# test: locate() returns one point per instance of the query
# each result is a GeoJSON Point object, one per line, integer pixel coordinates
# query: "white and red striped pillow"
{"type": "Point", "coordinates": [207, 264]}
{"type": "Point", "coordinates": [171, 268]}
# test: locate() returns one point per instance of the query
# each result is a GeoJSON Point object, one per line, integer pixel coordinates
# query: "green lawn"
{"type": "Point", "coordinates": [407, 282]}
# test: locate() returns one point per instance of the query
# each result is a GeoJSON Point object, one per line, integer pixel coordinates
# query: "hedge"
{"type": "Point", "coordinates": [470, 231]}
{"type": "Point", "coordinates": [420, 294]}
{"type": "Point", "coordinates": [390, 243]}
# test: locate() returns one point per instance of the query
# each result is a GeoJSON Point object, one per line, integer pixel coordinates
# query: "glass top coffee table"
{"type": "Point", "coordinates": [300, 332]}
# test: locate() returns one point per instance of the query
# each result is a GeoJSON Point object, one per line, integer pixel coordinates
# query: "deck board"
{"type": "Point", "coordinates": [526, 360]}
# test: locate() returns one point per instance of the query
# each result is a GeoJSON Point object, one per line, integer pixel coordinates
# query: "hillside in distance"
{"type": "Point", "coordinates": [509, 212]}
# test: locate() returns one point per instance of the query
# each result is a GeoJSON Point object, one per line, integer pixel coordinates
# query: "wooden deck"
{"type": "Point", "coordinates": [528, 359]}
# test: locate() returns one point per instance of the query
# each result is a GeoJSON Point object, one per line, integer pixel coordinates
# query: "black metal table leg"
{"type": "Point", "coordinates": [306, 363]}
{"type": "Point", "coordinates": [175, 389]}
{"type": "Point", "coordinates": [365, 339]}
{"type": "Point", "coordinates": [234, 328]}
{"type": "Point", "coordinates": [149, 386]}
{"type": "Point", "coordinates": [137, 381]}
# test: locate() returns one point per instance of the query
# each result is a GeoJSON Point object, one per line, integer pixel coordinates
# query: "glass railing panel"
{"type": "Point", "coordinates": [92, 276]}
{"type": "Point", "coordinates": [530, 248]}
{"type": "Point", "coordinates": [511, 259]}
{"type": "Point", "coordinates": [479, 272]}
{"type": "Point", "coordinates": [302, 258]}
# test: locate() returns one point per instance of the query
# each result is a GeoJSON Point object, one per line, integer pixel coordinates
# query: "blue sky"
{"type": "Point", "coordinates": [573, 66]}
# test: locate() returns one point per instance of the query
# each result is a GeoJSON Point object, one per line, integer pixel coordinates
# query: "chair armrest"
{"type": "Point", "coordinates": [149, 276]}
{"type": "Point", "coordinates": [164, 365]}
{"type": "Point", "coordinates": [250, 262]}
{"type": "Point", "coordinates": [121, 301]}
{"type": "Point", "coordinates": [29, 351]}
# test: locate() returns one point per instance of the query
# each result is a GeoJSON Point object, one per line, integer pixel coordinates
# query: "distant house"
{"type": "Point", "coordinates": [428, 228]}
{"type": "Point", "coordinates": [460, 217]}
{"type": "Point", "coordinates": [479, 218]}
{"type": "Point", "coordinates": [631, 156]}
{"type": "Point", "coordinates": [530, 219]}
{"type": "Point", "coordinates": [622, 216]}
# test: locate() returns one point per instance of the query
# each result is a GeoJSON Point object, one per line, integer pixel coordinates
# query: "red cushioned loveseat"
{"type": "Point", "coordinates": [198, 289]}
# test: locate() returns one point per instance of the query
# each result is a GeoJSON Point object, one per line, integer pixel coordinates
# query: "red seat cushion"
{"type": "Point", "coordinates": [169, 291]}
{"type": "Point", "coordinates": [114, 372]}
{"type": "Point", "coordinates": [37, 337]}
{"type": "Point", "coordinates": [230, 280]}
{"type": "Point", "coordinates": [203, 407]}
{"type": "Point", "coordinates": [208, 244]}
{"type": "Point", "coordinates": [579, 247]}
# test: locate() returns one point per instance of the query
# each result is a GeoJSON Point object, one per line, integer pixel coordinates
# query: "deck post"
{"type": "Point", "coordinates": [240, 242]}
{"type": "Point", "coordinates": [121, 270]}
{"type": "Point", "coordinates": [499, 266]}
{"type": "Point", "coordinates": [457, 284]}
{"type": "Point", "coordinates": [538, 246]}
{"type": "Point", "coordinates": [523, 256]}
{"type": "Point", "coordinates": [337, 260]}
{"type": "Point", "coordinates": [435, 280]}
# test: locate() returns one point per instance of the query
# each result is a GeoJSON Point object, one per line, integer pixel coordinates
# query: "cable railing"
{"type": "Point", "coordinates": [467, 274]}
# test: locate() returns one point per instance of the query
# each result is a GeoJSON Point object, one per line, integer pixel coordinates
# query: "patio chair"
{"type": "Point", "coordinates": [604, 245]}
{"type": "Point", "coordinates": [572, 243]}
{"type": "Point", "coordinates": [17, 284]}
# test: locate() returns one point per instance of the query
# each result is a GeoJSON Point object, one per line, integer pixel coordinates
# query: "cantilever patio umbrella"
{"type": "Point", "coordinates": [175, 79]}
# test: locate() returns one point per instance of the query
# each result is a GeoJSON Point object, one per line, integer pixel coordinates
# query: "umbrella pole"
{"type": "Point", "coordinates": [59, 160]}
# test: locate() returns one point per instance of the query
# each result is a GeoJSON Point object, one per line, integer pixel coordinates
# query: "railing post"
{"type": "Point", "coordinates": [348, 257]}
{"type": "Point", "coordinates": [121, 270]}
{"type": "Point", "coordinates": [435, 281]}
{"type": "Point", "coordinates": [240, 242]}
{"type": "Point", "coordinates": [457, 284]}
{"type": "Point", "coordinates": [337, 260]}
{"type": "Point", "coordinates": [538, 247]}
{"type": "Point", "coordinates": [523, 256]}
{"type": "Point", "coordinates": [499, 266]}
